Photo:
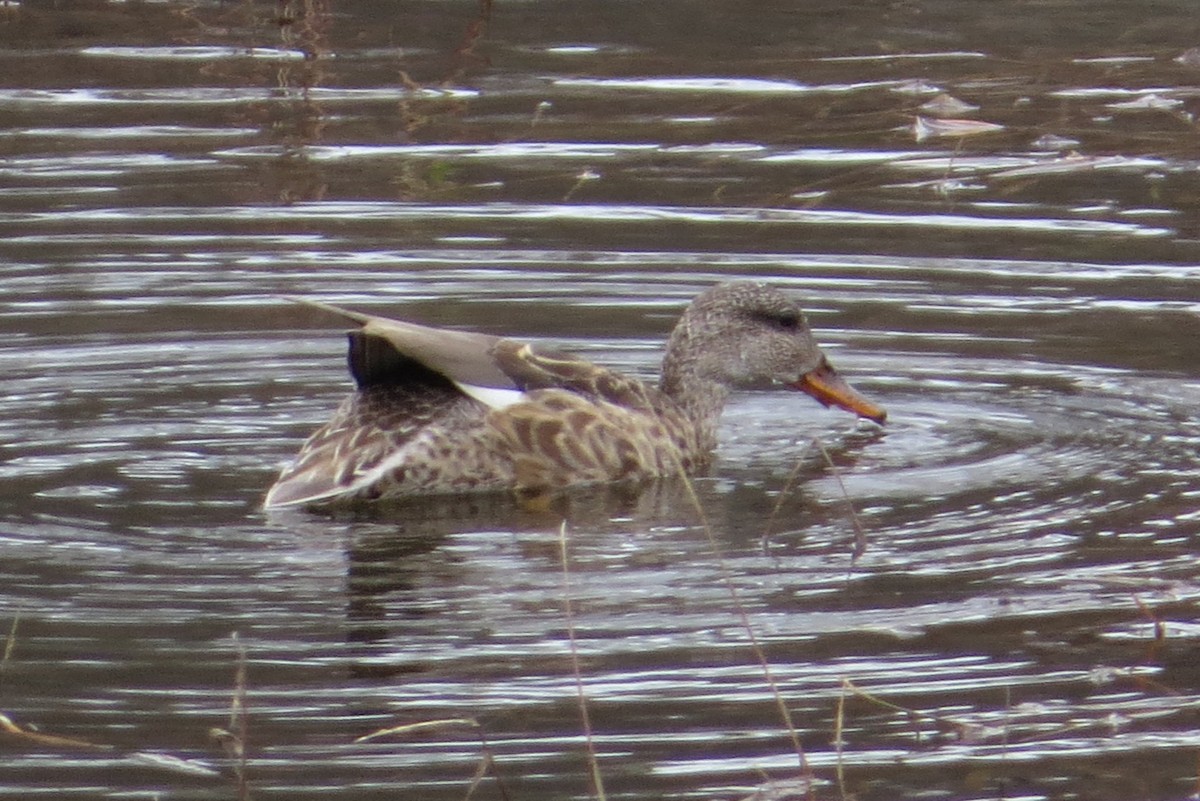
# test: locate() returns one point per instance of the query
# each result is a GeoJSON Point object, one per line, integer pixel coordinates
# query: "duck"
{"type": "Point", "coordinates": [438, 411]}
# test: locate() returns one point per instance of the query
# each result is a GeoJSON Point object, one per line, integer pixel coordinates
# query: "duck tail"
{"type": "Point", "coordinates": [349, 314]}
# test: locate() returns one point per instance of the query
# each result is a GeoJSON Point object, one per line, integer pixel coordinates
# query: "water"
{"type": "Point", "coordinates": [1022, 620]}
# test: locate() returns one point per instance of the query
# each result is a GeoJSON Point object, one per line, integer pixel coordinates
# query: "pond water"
{"type": "Point", "coordinates": [1016, 279]}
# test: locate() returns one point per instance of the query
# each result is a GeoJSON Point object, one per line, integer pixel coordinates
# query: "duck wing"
{"type": "Point", "coordinates": [561, 419]}
{"type": "Point", "coordinates": [384, 351]}
{"type": "Point", "coordinates": [372, 430]}
{"type": "Point", "coordinates": [532, 367]}
{"type": "Point", "coordinates": [581, 423]}
{"type": "Point", "coordinates": [411, 380]}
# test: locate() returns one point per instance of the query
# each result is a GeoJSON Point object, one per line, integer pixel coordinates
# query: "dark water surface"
{"type": "Point", "coordinates": [1023, 297]}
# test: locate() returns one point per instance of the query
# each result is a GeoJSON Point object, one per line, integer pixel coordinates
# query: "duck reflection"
{"type": "Point", "coordinates": [430, 576]}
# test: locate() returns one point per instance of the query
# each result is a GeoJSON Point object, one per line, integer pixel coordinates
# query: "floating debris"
{"type": "Point", "coordinates": [795, 789]}
{"type": "Point", "coordinates": [916, 87]}
{"type": "Point", "coordinates": [541, 110]}
{"type": "Point", "coordinates": [1147, 102]}
{"type": "Point", "coordinates": [1054, 142]}
{"type": "Point", "coordinates": [1072, 162]}
{"type": "Point", "coordinates": [945, 105]}
{"type": "Point", "coordinates": [1113, 61]}
{"type": "Point", "coordinates": [924, 128]}
{"type": "Point", "coordinates": [815, 196]}
{"type": "Point", "coordinates": [174, 764]}
{"type": "Point", "coordinates": [1189, 58]}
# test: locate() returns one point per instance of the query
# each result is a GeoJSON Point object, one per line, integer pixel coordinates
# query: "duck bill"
{"type": "Point", "coordinates": [830, 389]}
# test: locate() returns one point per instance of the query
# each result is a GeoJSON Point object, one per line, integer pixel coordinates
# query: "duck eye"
{"type": "Point", "coordinates": [788, 321]}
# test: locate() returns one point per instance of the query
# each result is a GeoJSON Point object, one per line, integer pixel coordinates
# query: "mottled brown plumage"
{"type": "Point", "coordinates": [440, 411]}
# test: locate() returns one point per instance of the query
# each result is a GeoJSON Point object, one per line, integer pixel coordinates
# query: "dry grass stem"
{"type": "Point", "coordinates": [11, 730]}
{"type": "Point", "coordinates": [860, 536]}
{"type": "Point", "coordinates": [839, 727]}
{"type": "Point", "coordinates": [487, 761]}
{"type": "Point", "coordinates": [593, 763]}
{"type": "Point", "coordinates": [744, 619]}
{"type": "Point", "coordinates": [10, 643]}
{"type": "Point", "coordinates": [914, 716]}
{"type": "Point", "coordinates": [422, 725]}
{"type": "Point", "coordinates": [769, 527]}
{"type": "Point", "coordinates": [236, 744]}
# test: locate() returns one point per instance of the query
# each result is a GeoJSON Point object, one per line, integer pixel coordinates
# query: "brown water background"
{"type": "Point", "coordinates": [1023, 295]}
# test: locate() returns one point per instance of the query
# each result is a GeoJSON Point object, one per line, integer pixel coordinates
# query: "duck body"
{"type": "Point", "coordinates": [439, 411]}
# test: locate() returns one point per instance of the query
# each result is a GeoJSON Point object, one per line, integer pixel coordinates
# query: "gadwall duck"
{"type": "Point", "coordinates": [440, 411]}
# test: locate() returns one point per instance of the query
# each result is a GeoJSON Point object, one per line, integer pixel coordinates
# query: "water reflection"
{"type": "Point", "coordinates": [1024, 303]}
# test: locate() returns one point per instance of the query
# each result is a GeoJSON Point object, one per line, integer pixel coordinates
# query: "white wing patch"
{"type": "Point", "coordinates": [492, 397]}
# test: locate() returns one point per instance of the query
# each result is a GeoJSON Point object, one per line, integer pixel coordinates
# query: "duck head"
{"type": "Point", "coordinates": [746, 335]}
